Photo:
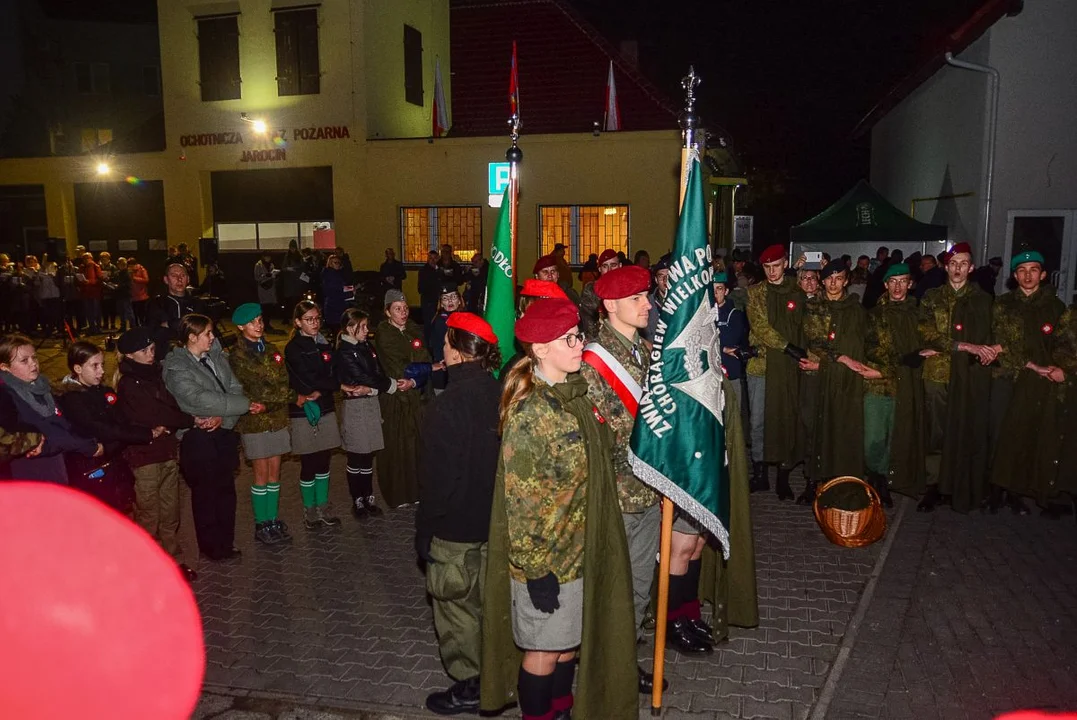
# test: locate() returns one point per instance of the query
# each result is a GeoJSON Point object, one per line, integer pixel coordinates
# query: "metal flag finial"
{"type": "Point", "coordinates": [514, 154]}
{"type": "Point", "coordinates": [689, 119]}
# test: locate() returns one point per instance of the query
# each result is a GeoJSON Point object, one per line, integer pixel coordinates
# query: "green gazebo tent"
{"type": "Point", "coordinates": [861, 221]}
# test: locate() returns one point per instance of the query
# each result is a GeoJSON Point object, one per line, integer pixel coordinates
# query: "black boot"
{"type": "Point", "coordinates": [781, 487]}
{"type": "Point", "coordinates": [878, 482]}
{"type": "Point", "coordinates": [461, 697]}
{"type": "Point", "coordinates": [929, 500]}
{"type": "Point", "coordinates": [808, 496]}
{"type": "Point", "coordinates": [760, 478]}
{"type": "Point", "coordinates": [680, 637]}
{"type": "Point", "coordinates": [646, 681]}
{"type": "Point", "coordinates": [1017, 504]}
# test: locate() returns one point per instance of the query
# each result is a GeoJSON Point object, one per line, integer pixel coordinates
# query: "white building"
{"type": "Point", "coordinates": [931, 136]}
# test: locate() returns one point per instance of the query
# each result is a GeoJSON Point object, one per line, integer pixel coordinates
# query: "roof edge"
{"type": "Point", "coordinates": [955, 42]}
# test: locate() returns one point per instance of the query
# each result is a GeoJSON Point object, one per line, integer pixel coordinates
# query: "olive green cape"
{"type": "Point", "coordinates": [1026, 456]}
{"type": "Point", "coordinates": [962, 472]}
{"type": "Point", "coordinates": [401, 413]}
{"type": "Point", "coordinates": [783, 440]}
{"type": "Point", "coordinates": [908, 475]}
{"type": "Point", "coordinates": [839, 416]}
{"type": "Point", "coordinates": [606, 680]}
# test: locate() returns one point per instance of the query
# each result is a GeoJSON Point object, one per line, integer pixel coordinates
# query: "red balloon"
{"type": "Point", "coordinates": [96, 620]}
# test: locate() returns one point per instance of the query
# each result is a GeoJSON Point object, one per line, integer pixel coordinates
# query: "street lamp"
{"type": "Point", "coordinates": [258, 125]}
{"type": "Point", "coordinates": [103, 168]}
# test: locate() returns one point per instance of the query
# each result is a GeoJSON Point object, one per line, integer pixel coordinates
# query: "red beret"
{"type": "Point", "coordinates": [472, 323]}
{"type": "Point", "coordinates": [622, 282]}
{"type": "Point", "coordinates": [546, 319]}
{"type": "Point", "coordinates": [94, 616]}
{"type": "Point", "coordinates": [544, 262]}
{"type": "Point", "coordinates": [542, 289]}
{"type": "Point", "coordinates": [606, 256]}
{"type": "Point", "coordinates": [961, 247]}
{"type": "Point", "coordinates": [772, 254]}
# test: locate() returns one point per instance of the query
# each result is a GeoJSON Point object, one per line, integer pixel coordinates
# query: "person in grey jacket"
{"type": "Point", "coordinates": [199, 377]}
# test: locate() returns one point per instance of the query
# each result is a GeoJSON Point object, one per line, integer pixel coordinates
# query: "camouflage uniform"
{"type": "Point", "coordinates": [545, 468]}
{"type": "Point", "coordinates": [956, 391]}
{"type": "Point", "coordinates": [264, 378]}
{"type": "Point", "coordinates": [638, 502]}
{"type": "Point", "coordinates": [15, 444]}
{"type": "Point", "coordinates": [1064, 355]}
{"type": "Point", "coordinates": [1025, 458]}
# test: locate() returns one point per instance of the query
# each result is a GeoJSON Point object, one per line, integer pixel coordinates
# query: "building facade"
{"type": "Point", "coordinates": [935, 141]}
{"type": "Point", "coordinates": [285, 120]}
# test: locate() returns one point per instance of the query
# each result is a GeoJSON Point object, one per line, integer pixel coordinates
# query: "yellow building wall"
{"type": "Point", "coordinates": [388, 114]}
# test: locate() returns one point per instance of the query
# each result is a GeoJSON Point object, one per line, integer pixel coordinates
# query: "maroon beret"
{"type": "Point", "coordinates": [772, 254]}
{"type": "Point", "coordinates": [961, 247]}
{"type": "Point", "coordinates": [546, 319]}
{"type": "Point", "coordinates": [606, 256]}
{"type": "Point", "coordinates": [622, 282]}
{"type": "Point", "coordinates": [472, 323]}
{"type": "Point", "coordinates": [544, 262]}
{"type": "Point", "coordinates": [542, 289]}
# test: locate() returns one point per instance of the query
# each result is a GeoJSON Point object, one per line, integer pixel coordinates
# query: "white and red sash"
{"type": "Point", "coordinates": [614, 373]}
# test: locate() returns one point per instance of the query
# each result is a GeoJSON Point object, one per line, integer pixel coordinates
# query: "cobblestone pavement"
{"type": "Point", "coordinates": [964, 616]}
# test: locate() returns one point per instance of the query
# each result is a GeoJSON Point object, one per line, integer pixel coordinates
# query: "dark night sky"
{"type": "Point", "coordinates": [788, 79]}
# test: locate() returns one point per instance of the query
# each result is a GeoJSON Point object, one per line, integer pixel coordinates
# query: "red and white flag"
{"type": "Point", "coordinates": [514, 86]}
{"type": "Point", "coordinates": [440, 114]}
{"type": "Point", "coordinates": [613, 109]}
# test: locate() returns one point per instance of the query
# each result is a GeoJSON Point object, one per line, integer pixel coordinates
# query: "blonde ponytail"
{"type": "Point", "coordinates": [519, 383]}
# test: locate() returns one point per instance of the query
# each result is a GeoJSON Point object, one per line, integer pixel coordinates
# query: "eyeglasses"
{"type": "Point", "coordinates": [573, 338]}
{"type": "Point", "coordinates": [311, 320]}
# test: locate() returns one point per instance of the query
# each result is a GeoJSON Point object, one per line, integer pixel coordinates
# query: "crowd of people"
{"type": "Point", "coordinates": [538, 539]}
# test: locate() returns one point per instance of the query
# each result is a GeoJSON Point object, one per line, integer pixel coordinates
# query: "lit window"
{"type": "Point", "coordinates": [423, 229]}
{"type": "Point", "coordinates": [583, 230]}
{"type": "Point", "coordinates": [232, 237]}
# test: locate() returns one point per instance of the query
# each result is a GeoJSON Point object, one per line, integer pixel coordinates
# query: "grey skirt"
{"type": "Point", "coordinates": [560, 630]}
{"type": "Point", "coordinates": [362, 425]}
{"type": "Point", "coordinates": [323, 436]}
{"type": "Point", "coordinates": [271, 443]}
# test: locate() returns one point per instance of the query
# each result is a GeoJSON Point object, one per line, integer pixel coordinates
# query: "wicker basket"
{"type": "Point", "coordinates": [851, 528]}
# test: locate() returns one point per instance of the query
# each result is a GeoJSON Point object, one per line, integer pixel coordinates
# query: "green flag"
{"type": "Point", "coordinates": [500, 291]}
{"type": "Point", "coordinates": [678, 442]}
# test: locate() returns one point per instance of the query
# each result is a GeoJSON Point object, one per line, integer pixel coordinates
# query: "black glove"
{"type": "Point", "coordinates": [797, 353]}
{"type": "Point", "coordinates": [422, 547]}
{"type": "Point", "coordinates": [913, 359]}
{"type": "Point", "coordinates": [744, 354]}
{"type": "Point", "coordinates": [544, 592]}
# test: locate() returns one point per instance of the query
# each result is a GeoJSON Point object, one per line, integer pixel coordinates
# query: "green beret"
{"type": "Point", "coordinates": [895, 270]}
{"type": "Point", "coordinates": [1026, 257]}
{"type": "Point", "coordinates": [245, 313]}
{"type": "Point", "coordinates": [720, 278]}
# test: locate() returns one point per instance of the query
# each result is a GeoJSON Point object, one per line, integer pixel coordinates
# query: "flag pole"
{"type": "Point", "coordinates": [689, 122]}
{"type": "Point", "coordinates": [514, 155]}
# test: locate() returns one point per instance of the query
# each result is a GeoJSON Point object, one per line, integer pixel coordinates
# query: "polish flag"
{"type": "Point", "coordinates": [613, 108]}
{"type": "Point", "coordinates": [441, 110]}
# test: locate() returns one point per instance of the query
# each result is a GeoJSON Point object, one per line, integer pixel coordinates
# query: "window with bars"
{"type": "Point", "coordinates": [583, 230]}
{"type": "Point", "coordinates": [298, 70]}
{"type": "Point", "coordinates": [423, 229]}
{"type": "Point", "coordinates": [218, 57]}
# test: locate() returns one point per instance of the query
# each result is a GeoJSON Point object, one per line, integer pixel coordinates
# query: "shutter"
{"type": "Point", "coordinates": [413, 66]}
{"type": "Point", "coordinates": [285, 27]}
{"type": "Point", "coordinates": [309, 67]}
{"type": "Point", "coordinates": [218, 58]}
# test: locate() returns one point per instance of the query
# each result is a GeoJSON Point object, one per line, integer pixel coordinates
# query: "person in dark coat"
{"type": "Point", "coordinates": [90, 406]}
{"type": "Point", "coordinates": [36, 410]}
{"type": "Point", "coordinates": [475, 293]}
{"type": "Point", "coordinates": [164, 312]}
{"type": "Point", "coordinates": [312, 417]}
{"type": "Point", "coordinates": [447, 305]}
{"type": "Point", "coordinates": [392, 271]}
{"type": "Point", "coordinates": [338, 290]}
{"type": "Point", "coordinates": [987, 275]}
{"type": "Point", "coordinates": [429, 292]}
{"type": "Point", "coordinates": [931, 275]}
{"type": "Point", "coordinates": [357, 367]}
{"type": "Point", "coordinates": [144, 401]}
{"type": "Point", "coordinates": [458, 456]}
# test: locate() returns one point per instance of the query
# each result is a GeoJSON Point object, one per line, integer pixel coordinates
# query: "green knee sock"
{"type": "Point", "coordinates": [306, 489]}
{"type": "Point", "coordinates": [321, 489]}
{"type": "Point", "coordinates": [272, 500]}
{"type": "Point", "coordinates": [258, 503]}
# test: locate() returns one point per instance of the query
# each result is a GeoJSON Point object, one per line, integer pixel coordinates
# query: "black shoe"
{"type": "Point", "coordinates": [684, 641]}
{"type": "Point", "coordinates": [372, 508]}
{"type": "Point", "coordinates": [646, 682]}
{"type": "Point", "coordinates": [282, 529]}
{"type": "Point", "coordinates": [878, 482]}
{"type": "Point", "coordinates": [929, 500]}
{"type": "Point", "coordinates": [359, 510]}
{"type": "Point", "coordinates": [266, 533]}
{"type": "Point", "coordinates": [1017, 505]}
{"type": "Point", "coordinates": [701, 630]}
{"type": "Point", "coordinates": [188, 574]}
{"type": "Point", "coordinates": [760, 481]}
{"type": "Point", "coordinates": [808, 496]}
{"type": "Point", "coordinates": [461, 697]}
{"type": "Point", "coordinates": [781, 487]}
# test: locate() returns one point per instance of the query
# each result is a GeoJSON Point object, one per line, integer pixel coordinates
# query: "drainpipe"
{"type": "Point", "coordinates": [992, 132]}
